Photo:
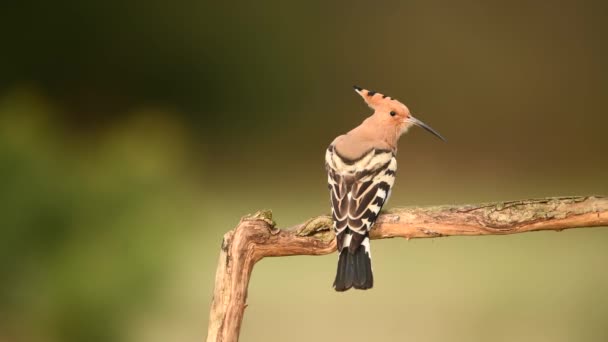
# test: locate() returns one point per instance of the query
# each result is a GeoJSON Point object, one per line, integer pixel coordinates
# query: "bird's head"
{"type": "Point", "coordinates": [389, 112]}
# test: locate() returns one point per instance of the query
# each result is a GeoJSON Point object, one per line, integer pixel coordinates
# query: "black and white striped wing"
{"type": "Point", "coordinates": [358, 190]}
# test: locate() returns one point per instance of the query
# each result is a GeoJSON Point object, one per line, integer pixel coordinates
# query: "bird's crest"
{"type": "Point", "coordinates": [373, 99]}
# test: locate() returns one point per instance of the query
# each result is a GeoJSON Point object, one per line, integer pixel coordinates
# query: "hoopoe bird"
{"type": "Point", "coordinates": [361, 168]}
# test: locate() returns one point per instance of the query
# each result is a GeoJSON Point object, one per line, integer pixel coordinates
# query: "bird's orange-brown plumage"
{"type": "Point", "coordinates": [380, 130]}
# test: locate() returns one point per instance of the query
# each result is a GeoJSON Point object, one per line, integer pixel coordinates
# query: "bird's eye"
{"type": "Point", "coordinates": [393, 113]}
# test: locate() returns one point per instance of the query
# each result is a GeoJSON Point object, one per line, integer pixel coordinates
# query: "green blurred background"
{"type": "Point", "coordinates": [134, 134]}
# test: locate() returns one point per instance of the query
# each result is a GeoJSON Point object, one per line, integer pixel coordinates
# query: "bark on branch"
{"type": "Point", "coordinates": [256, 237]}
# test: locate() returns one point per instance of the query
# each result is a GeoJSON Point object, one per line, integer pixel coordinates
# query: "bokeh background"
{"type": "Point", "coordinates": [134, 134]}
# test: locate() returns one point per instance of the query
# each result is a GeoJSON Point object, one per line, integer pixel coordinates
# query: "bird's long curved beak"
{"type": "Point", "coordinates": [425, 126]}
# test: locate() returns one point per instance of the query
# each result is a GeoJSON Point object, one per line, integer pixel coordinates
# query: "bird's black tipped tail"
{"type": "Point", "coordinates": [354, 270]}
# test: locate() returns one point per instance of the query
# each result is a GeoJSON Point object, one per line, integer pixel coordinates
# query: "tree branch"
{"type": "Point", "coordinates": [256, 237]}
